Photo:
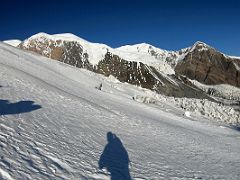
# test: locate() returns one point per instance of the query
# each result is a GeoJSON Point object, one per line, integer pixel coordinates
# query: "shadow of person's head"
{"type": "Point", "coordinates": [110, 137]}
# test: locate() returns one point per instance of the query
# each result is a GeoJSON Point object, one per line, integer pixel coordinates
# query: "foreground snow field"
{"type": "Point", "coordinates": [54, 122]}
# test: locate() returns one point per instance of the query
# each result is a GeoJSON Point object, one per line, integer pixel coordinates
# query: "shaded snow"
{"type": "Point", "coordinates": [236, 66]}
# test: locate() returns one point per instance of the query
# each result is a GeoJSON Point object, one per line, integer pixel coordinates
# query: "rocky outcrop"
{"type": "Point", "coordinates": [69, 52]}
{"type": "Point", "coordinates": [135, 73]}
{"type": "Point", "coordinates": [145, 76]}
{"type": "Point", "coordinates": [209, 66]}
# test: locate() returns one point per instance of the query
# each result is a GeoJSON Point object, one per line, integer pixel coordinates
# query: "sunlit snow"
{"type": "Point", "coordinates": [54, 125]}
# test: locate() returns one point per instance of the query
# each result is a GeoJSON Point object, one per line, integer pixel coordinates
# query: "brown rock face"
{"type": "Point", "coordinates": [57, 53]}
{"type": "Point", "coordinates": [70, 52]}
{"type": "Point", "coordinates": [128, 71]}
{"type": "Point", "coordinates": [208, 66]}
{"type": "Point", "coordinates": [147, 77]}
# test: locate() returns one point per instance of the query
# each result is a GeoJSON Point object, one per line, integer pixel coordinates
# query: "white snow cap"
{"type": "Point", "coordinates": [13, 42]}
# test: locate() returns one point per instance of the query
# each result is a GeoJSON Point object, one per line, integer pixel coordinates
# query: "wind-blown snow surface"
{"type": "Point", "coordinates": [61, 131]}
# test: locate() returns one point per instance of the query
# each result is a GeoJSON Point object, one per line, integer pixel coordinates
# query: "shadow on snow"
{"type": "Point", "coordinates": [115, 158]}
{"type": "Point", "coordinates": [16, 108]}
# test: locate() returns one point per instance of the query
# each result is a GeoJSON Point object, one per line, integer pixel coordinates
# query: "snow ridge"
{"type": "Point", "coordinates": [163, 60]}
{"type": "Point", "coordinates": [97, 51]}
{"type": "Point", "coordinates": [13, 42]}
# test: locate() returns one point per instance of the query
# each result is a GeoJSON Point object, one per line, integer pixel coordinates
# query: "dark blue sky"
{"type": "Point", "coordinates": [169, 24]}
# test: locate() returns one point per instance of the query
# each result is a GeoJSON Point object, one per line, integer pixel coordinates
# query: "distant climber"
{"type": "Point", "coordinates": [99, 87]}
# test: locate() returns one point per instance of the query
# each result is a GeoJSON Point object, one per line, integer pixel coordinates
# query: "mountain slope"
{"type": "Point", "coordinates": [61, 131]}
{"type": "Point", "coordinates": [166, 72]}
{"type": "Point", "coordinates": [153, 71]}
{"type": "Point", "coordinates": [48, 45]}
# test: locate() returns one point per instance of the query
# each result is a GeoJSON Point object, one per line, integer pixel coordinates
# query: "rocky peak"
{"type": "Point", "coordinates": [209, 66]}
{"type": "Point", "coordinates": [199, 47]}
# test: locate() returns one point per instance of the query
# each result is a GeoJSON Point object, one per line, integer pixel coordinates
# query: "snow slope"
{"type": "Point", "coordinates": [53, 125]}
{"type": "Point", "coordinates": [13, 42]}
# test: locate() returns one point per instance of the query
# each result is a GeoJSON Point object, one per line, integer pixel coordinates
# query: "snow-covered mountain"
{"type": "Point", "coordinates": [139, 68]}
{"type": "Point", "coordinates": [54, 122]}
{"type": "Point", "coordinates": [45, 44]}
{"type": "Point", "coordinates": [143, 64]}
